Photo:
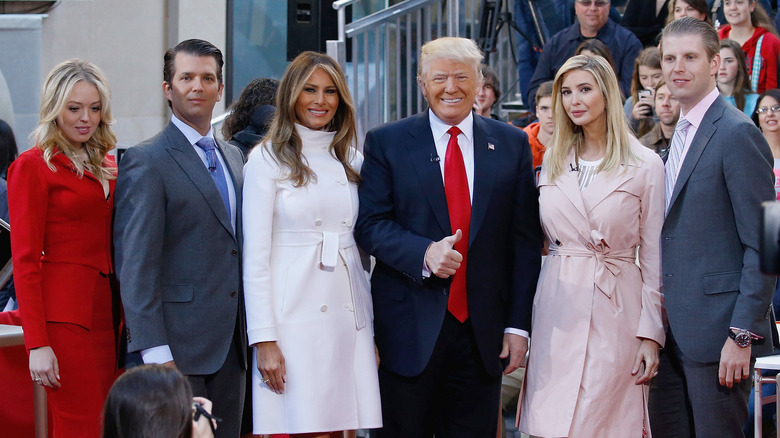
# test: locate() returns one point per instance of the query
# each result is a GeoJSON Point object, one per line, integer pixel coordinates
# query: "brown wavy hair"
{"type": "Point", "coordinates": [259, 92]}
{"type": "Point", "coordinates": [742, 81]}
{"type": "Point", "coordinates": [282, 139]}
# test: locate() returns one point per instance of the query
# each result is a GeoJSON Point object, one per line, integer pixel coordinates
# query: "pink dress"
{"type": "Point", "coordinates": [593, 302]}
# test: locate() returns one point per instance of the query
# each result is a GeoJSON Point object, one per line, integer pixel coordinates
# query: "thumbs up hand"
{"type": "Point", "coordinates": [441, 258]}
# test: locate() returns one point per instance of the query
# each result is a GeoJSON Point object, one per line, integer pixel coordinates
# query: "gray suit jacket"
{"type": "Point", "coordinates": [177, 257]}
{"type": "Point", "coordinates": [709, 242]}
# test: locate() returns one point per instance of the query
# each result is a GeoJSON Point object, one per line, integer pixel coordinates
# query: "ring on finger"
{"type": "Point", "coordinates": [266, 380]}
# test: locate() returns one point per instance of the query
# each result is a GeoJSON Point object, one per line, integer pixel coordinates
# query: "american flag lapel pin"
{"type": "Point", "coordinates": [491, 147]}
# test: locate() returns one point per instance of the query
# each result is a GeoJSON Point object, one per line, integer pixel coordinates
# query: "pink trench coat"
{"type": "Point", "coordinates": [593, 303]}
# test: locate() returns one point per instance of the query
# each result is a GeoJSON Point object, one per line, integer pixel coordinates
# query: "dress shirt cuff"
{"type": "Point", "coordinates": [159, 354]}
{"type": "Point", "coordinates": [515, 331]}
{"type": "Point", "coordinates": [426, 271]}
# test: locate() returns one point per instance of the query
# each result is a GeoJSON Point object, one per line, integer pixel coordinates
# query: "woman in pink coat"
{"type": "Point", "coordinates": [597, 323]}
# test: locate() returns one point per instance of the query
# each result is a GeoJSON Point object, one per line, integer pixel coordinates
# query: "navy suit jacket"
{"type": "Point", "coordinates": [403, 208]}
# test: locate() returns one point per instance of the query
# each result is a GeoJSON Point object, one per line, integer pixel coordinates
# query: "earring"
{"type": "Point", "coordinates": [54, 122]}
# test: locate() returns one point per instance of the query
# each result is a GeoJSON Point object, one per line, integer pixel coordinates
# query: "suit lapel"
{"type": "Point", "coordinates": [422, 154]}
{"type": "Point", "coordinates": [485, 159]}
{"type": "Point", "coordinates": [189, 161]}
{"type": "Point", "coordinates": [704, 132]}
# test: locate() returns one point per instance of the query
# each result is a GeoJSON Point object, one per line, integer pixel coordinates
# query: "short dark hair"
{"type": "Point", "coordinates": [691, 26]}
{"type": "Point", "coordinates": [544, 90]}
{"type": "Point", "coordinates": [194, 47]}
{"type": "Point", "coordinates": [148, 400]}
{"type": "Point", "coordinates": [491, 78]}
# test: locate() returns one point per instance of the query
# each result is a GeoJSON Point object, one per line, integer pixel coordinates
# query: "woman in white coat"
{"type": "Point", "coordinates": [309, 312]}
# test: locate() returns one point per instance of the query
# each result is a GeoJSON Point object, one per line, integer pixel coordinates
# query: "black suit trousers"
{"type": "Point", "coordinates": [226, 389]}
{"type": "Point", "coordinates": [686, 400]}
{"type": "Point", "coordinates": [453, 397]}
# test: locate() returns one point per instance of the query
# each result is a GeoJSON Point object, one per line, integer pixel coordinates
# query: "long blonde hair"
{"type": "Point", "coordinates": [567, 135]}
{"type": "Point", "coordinates": [285, 144]}
{"type": "Point", "coordinates": [54, 97]}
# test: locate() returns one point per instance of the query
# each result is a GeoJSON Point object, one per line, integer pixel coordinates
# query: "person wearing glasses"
{"type": "Point", "coordinates": [767, 117]}
{"type": "Point", "coordinates": [592, 22]}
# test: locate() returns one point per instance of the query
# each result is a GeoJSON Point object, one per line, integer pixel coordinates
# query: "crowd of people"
{"type": "Point", "coordinates": [237, 271]}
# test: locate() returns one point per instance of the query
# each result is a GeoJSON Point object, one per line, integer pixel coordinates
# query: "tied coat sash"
{"type": "Point", "coordinates": [608, 260]}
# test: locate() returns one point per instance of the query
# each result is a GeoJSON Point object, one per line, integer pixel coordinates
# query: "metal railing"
{"type": "Point", "coordinates": [381, 67]}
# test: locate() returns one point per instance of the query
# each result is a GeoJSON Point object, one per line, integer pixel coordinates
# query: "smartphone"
{"type": "Point", "coordinates": [645, 94]}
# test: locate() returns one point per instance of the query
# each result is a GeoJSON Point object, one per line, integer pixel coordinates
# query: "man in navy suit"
{"type": "Point", "coordinates": [449, 209]}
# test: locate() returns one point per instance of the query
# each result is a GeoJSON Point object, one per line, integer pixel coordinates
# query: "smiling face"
{"type": "Point", "coordinates": [727, 73]}
{"type": "Point", "coordinates": [666, 106]}
{"type": "Point", "coordinates": [688, 72]}
{"type": "Point", "coordinates": [592, 17]}
{"type": "Point", "coordinates": [768, 120]}
{"type": "Point", "coordinates": [582, 100]}
{"type": "Point", "coordinates": [649, 77]}
{"type": "Point", "coordinates": [738, 11]}
{"type": "Point", "coordinates": [194, 90]}
{"type": "Point", "coordinates": [318, 101]}
{"type": "Point", "coordinates": [81, 115]}
{"type": "Point", "coordinates": [683, 9]}
{"type": "Point", "coordinates": [450, 88]}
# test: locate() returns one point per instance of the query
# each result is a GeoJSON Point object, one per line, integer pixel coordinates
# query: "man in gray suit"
{"type": "Point", "coordinates": [718, 172]}
{"type": "Point", "coordinates": [177, 238]}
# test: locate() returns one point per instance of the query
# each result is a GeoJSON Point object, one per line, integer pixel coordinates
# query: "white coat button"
{"type": "Point", "coordinates": [348, 222]}
{"type": "Point", "coordinates": [323, 308]}
{"type": "Point", "coordinates": [341, 181]}
{"type": "Point", "coordinates": [318, 222]}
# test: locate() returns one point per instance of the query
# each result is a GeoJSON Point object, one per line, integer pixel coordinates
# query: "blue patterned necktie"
{"type": "Point", "coordinates": [217, 174]}
{"type": "Point", "coordinates": [674, 160]}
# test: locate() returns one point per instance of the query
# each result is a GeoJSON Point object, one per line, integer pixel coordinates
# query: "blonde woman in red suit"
{"type": "Point", "coordinates": [60, 197]}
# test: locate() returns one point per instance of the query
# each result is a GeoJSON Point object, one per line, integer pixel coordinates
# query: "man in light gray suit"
{"type": "Point", "coordinates": [177, 238]}
{"type": "Point", "coordinates": [718, 172]}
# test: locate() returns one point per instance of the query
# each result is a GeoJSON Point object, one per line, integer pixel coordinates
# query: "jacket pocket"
{"type": "Point", "coordinates": [720, 282]}
{"type": "Point", "coordinates": [177, 293]}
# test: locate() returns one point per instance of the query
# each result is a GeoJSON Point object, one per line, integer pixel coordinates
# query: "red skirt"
{"type": "Point", "coordinates": [87, 363]}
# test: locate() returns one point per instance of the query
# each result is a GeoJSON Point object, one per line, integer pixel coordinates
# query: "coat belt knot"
{"type": "Point", "coordinates": [608, 261]}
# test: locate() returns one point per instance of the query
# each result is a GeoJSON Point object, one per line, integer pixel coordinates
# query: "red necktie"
{"type": "Point", "coordinates": [456, 187]}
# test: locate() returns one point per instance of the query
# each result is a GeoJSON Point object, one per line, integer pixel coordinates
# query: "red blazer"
{"type": "Point", "coordinates": [60, 241]}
